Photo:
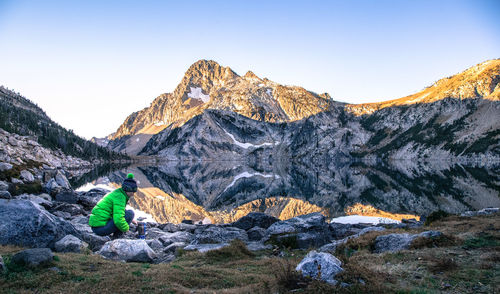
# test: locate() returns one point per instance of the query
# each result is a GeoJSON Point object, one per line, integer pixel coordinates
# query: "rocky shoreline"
{"type": "Point", "coordinates": [58, 220]}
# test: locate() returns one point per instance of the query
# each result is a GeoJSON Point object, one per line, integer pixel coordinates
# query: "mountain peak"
{"type": "Point", "coordinates": [210, 69]}
{"type": "Point", "coordinates": [251, 75]}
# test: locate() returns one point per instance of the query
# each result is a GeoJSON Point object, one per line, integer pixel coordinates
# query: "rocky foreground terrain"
{"type": "Point", "coordinates": [56, 221]}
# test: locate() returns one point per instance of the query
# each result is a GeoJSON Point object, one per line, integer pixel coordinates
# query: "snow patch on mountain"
{"type": "Point", "coordinates": [196, 93]}
{"type": "Point", "coordinates": [247, 145]}
{"type": "Point", "coordinates": [249, 175]}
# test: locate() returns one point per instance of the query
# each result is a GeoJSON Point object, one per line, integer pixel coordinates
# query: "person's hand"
{"type": "Point", "coordinates": [134, 222]}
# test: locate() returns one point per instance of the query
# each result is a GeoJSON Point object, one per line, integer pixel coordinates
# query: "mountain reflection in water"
{"type": "Point", "coordinates": [223, 191]}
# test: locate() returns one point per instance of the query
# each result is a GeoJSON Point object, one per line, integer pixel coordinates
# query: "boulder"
{"type": "Point", "coordinates": [5, 195]}
{"type": "Point", "coordinates": [320, 266]}
{"type": "Point", "coordinates": [484, 211]}
{"type": "Point", "coordinates": [24, 223]}
{"type": "Point", "coordinates": [172, 248]}
{"type": "Point", "coordinates": [16, 181]}
{"type": "Point", "coordinates": [169, 238]}
{"type": "Point", "coordinates": [26, 176]}
{"type": "Point", "coordinates": [257, 246]}
{"type": "Point", "coordinates": [61, 180]}
{"type": "Point", "coordinates": [217, 234]}
{"type": "Point", "coordinates": [304, 223]}
{"type": "Point", "coordinates": [62, 214]}
{"type": "Point", "coordinates": [33, 257]}
{"type": "Point", "coordinates": [67, 195]}
{"type": "Point", "coordinates": [340, 231]}
{"type": "Point", "coordinates": [5, 166]}
{"type": "Point", "coordinates": [155, 245]}
{"type": "Point", "coordinates": [52, 187]}
{"type": "Point", "coordinates": [72, 209]}
{"type": "Point", "coordinates": [80, 219]}
{"type": "Point", "coordinates": [205, 247]}
{"type": "Point", "coordinates": [89, 199]}
{"type": "Point", "coordinates": [255, 219]}
{"type": "Point", "coordinates": [311, 240]}
{"type": "Point", "coordinates": [331, 247]}
{"type": "Point", "coordinates": [398, 242]}
{"type": "Point", "coordinates": [95, 241]}
{"type": "Point", "coordinates": [4, 186]}
{"type": "Point", "coordinates": [70, 243]}
{"type": "Point", "coordinates": [47, 204]}
{"type": "Point", "coordinates": [256, 234]}
{"type": "Point", "coordinates": [128, 250]}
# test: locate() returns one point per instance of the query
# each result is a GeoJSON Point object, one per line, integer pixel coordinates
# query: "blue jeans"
{"type": "Point", "coordinates": [110, 227]}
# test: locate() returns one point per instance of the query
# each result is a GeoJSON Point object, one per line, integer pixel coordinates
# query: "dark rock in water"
{"type": "Point", "coordinates": [217, 234]}
{"type": "Point", "coordinates": [70, 243]}
{"type": "Point", "coordinates": [128, 250]}
{"type": "Point", "coordinates": [24, 223]}
{"type": "Point", "coordinates": [323, 266]}
{"type": "Point", "coordinates": [256, 234]}
{"type": "Point", "coordinates": [33, 257]}
{"type": "Point", "coordinates": [255, 219]}
{"type": "Point", "coordinates": [187, 221]}
{"type": "Point", "coordinates": [68, 196]}
{"type": "Point", "coordinates": [5, 195]}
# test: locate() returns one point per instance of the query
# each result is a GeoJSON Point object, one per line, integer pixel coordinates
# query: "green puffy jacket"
{"type": "Point", "coordinates": [111, 206]}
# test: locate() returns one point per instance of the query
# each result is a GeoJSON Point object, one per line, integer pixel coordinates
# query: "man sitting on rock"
{"type": "Point", "coordinates": [109, 215]}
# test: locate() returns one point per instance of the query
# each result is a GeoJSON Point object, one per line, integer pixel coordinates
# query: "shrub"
{"type": "Point", "coordinates": [434, 216]}
{"type": "Point", "coordinates": [235, 251]}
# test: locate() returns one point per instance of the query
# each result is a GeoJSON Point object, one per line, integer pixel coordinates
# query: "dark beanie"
{"type": "Point", "coordinates": [129, 184]}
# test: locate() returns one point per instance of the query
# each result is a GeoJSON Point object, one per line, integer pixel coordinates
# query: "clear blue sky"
{"type": "Point", "coordinates": [89, 64]}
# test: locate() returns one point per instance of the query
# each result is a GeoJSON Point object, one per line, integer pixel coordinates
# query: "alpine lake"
{"type": "Point", "coordinates": [351, 192]}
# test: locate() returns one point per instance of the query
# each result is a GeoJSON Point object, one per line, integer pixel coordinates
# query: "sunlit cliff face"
{"type": "Point", "coordinates": [368, 210]}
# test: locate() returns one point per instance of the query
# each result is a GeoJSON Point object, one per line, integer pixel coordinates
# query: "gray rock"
{"type": "Point", "coordinates": [311, 240]}
{"type": "Point", "coordinates": [257, 246]}
{"type": "Point", "coordinates": [255, 219]}
{"type": "Point", "coordinates": [331, 247]}
{"type": "Point", "coordinates": [62, 214]}
{"type": "Point", "coordinates": [128, 250]}
{"type": "Point", "coordinates": [169, 227]}
{"type": "Point", "coordinates": [217, 234]}
{"type": "Point", "coordinates": [26, 176]}
{"type": "Point", "coordinates": [187, 228]}
{"type": "Point", "coordinates": [340, 231]}
{"type": "Point", "coordinates": [24, 223]}
{"type": "Point", "coordinates": [95, 242]}
{"type": "Point", "coordinates": [68, 196]}
{"type": "Point", "coordinates": [47, 204]}
{"type": "Point", "coordinates": [169, 238]}
{"type": "Point", "coordinates": [72, 209]}
{"type": "Point", "coordinates": [5, 166]}
{"type": "Point", "coordinates": [4, 186]}
{"type": "Point", "coordinates": [62, 181]}
{"type": "Point", "coordinates": [70, 243]}
{"type": "Point", "coordinates": [33, 257]}
{"type": "Point", "coordinates": [13, 141]}
{"type": "Point", "coordinates": [304, 223]}
{"type": "Point", "coordinates": [256, 234]}
{"type": "Point", "coordinates": [5, 195]}
{"type": "Point", "coordinates": [321, 266]}
{"type": "Point", "coordinates": [172, 248]}
{"type": "Point", "coordinates": [485, 211]}
{"type": "Point", "coordinates": [16, 181]}
{"type": "Point", "coordinates": [154, 244]}
{"type": "Point", "coordinates": [51, 186]}
{"type": "Point", "coordinates": [398, 242]}
{"type": "Point", "coordinates": [205, 247]}
{"type": "Point", "coordinates": [80, 220]}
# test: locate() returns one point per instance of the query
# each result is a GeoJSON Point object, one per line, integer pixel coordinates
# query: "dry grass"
{"type": "Point", "coordinates": [469, 263]}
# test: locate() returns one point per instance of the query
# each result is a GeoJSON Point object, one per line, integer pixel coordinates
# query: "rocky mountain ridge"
{"type": "Point", "coordinates": [454, 118]}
